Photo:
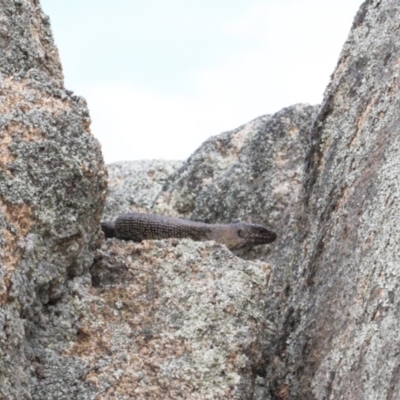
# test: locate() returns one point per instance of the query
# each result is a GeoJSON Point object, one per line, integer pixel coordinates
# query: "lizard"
{"type": "Point", "coordinates": [141, 226]}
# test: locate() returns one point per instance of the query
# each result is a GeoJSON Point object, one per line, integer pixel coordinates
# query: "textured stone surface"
{"type": "Point", "coordinates": [175, 320]}
{"type": "Point", "coordinates": [317, 318]}
{"type": "Point", "coordinates": [338, 263]}
{"type": "Point", "coordinates": [254, 174]}
{"type": "Point", "coordinates": [262, 184]}
{"type": "Point", "coordinates": [214, 157]}
{"type": "Point", "coordinates": [135, 185]}
{"type": "Point", "coordinates": [259, 181]}
{"type": "Point", "coordinates": [341, 332]}
{"type": "Point", "coordinates": [52, 190]}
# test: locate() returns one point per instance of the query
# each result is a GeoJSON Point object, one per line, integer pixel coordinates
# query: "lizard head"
{"type": "Point", "coordinates": [253, 234]}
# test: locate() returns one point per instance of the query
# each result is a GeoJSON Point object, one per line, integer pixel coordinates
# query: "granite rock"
{"type": "Point", "coordinates": [316, 317]}
{"type": "Point", "coordinates": [52, 191]}
{"type": "Point", "coordinates": [340, 331]}
{"type": "Point", "coordinates": [213, 158]}
{"type": "Point", "coordinates": [332, 296]}
{"type": "Point", "coordinates": [135, 185]}
{"type": "Point", "coordinates": [259, 179]}
{"type": "Point", "coordinates": [173, 319]}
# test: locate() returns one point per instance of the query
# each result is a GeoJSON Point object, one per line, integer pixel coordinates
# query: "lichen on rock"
{"type": "Point", "coordinates": [133, 186]}
{"type": "Point", "coordinates": [177, 319]}
{"type": "Point", "coordinates": [315, 317]}
{"type": "Point", "coordinates": [52, 190]}
{"type": "Point", "coordinates": [341, 327]}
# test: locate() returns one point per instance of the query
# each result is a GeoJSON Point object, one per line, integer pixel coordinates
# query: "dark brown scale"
{"type": "Point", "coordinates": [138, 227]}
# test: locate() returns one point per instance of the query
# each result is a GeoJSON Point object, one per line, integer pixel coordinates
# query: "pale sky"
{"type": "Point", "coordinates": [160, 77]}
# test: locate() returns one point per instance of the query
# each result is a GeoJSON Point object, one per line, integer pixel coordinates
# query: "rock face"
{"type": "Point", "coordinates": [174, 320]}
{"type": "Point", "coordinates": [340, 335]}
{"type": "Point", "coordinates": [338, 267]}
{"type": "Point", "coordinates": [52, 190]}
{"type": "Point", "coordinates": [316, 317]}
{"type": "Point", "coordinates": [135, 185]}
{"type": "Point", "coordinates": [211, 161]}
{"type": "Point", "coordinates": [252, 174]}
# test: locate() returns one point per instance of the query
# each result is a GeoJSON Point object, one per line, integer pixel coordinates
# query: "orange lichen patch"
{"type": "Point", "coordinates": [20, 216]}
{"type": "Point", "coordinates": [114, 182]}
{"type": "Point", "coordinates": [136, 318]}
{"type": "Point", "coordinates": [18, 95]}
{"type": "Point", "coordinates": [48, 53]}
{"type": "Point", "coordinates": [396, 64]}
{"type": "Point", "coordinates": [135, 208]}
{"type": "Point", "coordinates": [11, 256]}
{"type": "Point", "coordinates": [142, 377]}
{"type": "Point", "coordinates": [96, 170]}
{"type": "Point", "coordinates": [90, 341]}
{"type": "Point", "coordinates": [31, 134]}
{"type": "Point", "coordinates": [394, 87]}
{"type": "Point", "coordinates": [232, 152]}
{"type": "Point", "coordinates": [363, 292]}
{"type": "Point", "coordinates": [368, 242]}
{"type": "Point", "coordinates": [362, 120]}
{"type": "Point", "coordinates": [5, 154]}
{"type": "Point", "coordinates": [14, 96]}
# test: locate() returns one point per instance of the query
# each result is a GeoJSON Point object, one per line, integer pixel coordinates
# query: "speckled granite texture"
{"type": "Point", "coordinates": [52, 190]}
{"type": "Point", "coordinates": [135, 185]}
{"type": "Point", "coordinates": [341, 330]}
{"type": "Point", "coordinates": [174, 319]}
{"type": "Point", "coordinates": [312, 316]}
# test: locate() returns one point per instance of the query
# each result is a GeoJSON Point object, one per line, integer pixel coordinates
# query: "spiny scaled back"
{"type": "Point", "coordinates": [138, 227]}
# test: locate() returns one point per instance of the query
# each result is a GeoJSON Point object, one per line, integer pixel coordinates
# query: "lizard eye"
{"type": "Point", "coordinates": [241, 233]}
